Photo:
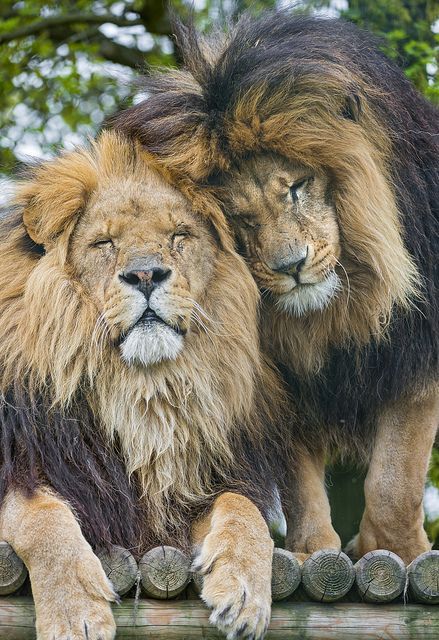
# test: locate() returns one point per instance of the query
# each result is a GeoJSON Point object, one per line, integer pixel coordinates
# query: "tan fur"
{"type": "Point", "coordinates": [100, 213]}
{"type": "Point", "coordinates": [76, 351]}
{"type": "Point", "coordinates": [70, 589]}
{"type": "Point", "coordinates": [310, 104]}
{"type": "Point", "coordinates": [305, 128]}
{"type": "Point", "coordinates": [310, 527]}
{"type": "Point", "coordinates": [377, 272]}
{"type": "Point", "coordinates": [394, 519]}
{"type": "Point", "coordinates": [235, 557]}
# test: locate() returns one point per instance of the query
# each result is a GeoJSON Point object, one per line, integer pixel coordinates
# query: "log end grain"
{"type": "Point", "coordinates": [423, 574]}
{"type": "Point", "coordinates": [120, 567]}
{"type": "Point", "coordinates": [380, 576]}
{"type": "Point", "coordinates": [327, 575]}
{"type": "Point", "coordinates": [286, 574]}
{"type": "Point", "coordinates": [165, 572]}
{"type": "Point", "coordinates": [13, 572]}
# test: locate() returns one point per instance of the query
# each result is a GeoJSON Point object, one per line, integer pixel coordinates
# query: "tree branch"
{"type": "Point", "coordinates": [56, 21]}
{"type": "Point", "coordinates": [120, 54]}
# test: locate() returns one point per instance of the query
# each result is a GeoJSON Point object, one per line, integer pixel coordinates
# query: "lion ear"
{"type": "Point", "coordinates": [54, 194]}
{"type": "Point", "coordinates": [352, 107]}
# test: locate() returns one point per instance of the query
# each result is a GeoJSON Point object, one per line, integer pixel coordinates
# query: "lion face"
{"type": "Point", "coordinates": [145, 259]}
{"type": "Point", "coordinates": [287, 225]}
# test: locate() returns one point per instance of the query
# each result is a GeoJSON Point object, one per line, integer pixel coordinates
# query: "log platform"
{"type": "Point", "coordinates": [377, 598]}
{"type": "Point", "coordinates": [189, 620]}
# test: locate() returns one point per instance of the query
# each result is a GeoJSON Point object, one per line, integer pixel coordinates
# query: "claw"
{"type": "Point", "coordinates": [222, 614]}
{"type": "Point", "coordinates": [239, 632]}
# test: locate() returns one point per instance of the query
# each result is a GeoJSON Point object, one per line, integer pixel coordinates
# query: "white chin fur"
{"type": "Point", "coordinates": [151, 343]}
{"type": "Point", "coordinates": [302, 300]}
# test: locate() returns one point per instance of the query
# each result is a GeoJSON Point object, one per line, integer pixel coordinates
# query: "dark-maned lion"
{"type": "Point", "coordinates": [326, 159]}
{"type": "Point", "coordinates": [134, 398]}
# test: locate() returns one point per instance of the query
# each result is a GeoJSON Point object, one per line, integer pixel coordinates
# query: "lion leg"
{"type": "Point", "coordinates": [234, 554]}
{"type": "Point", "coordinates": [70, 589]}
{"type": "Point", "coordinates": [308, 514]}
{"type": "Point", "coordinates": [394, 487]}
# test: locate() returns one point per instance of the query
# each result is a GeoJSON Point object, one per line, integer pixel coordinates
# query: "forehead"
{"type": "Point", "coordinates": [258, 177]}
{"type": "Point", "coordinates": [132, 201]}
{"type": "Point", "coordinates": [262, 171]}
{"type": "Point", "coordinates": [263, 167]}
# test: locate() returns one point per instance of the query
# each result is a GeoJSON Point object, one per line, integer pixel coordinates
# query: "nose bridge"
{"type": "Point", "coordinates": [289, 248]}
{"type": "Point", "coordinates": [143, 262]}
{"type": "Point", "coordinates": [285, 242]}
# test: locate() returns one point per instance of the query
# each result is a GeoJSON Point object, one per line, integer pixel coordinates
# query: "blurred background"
{"type": "Point", "coordinates": [65, 65]}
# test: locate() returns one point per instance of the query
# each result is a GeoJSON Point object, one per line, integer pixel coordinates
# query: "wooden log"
{"type": "Point", "coordinates": [188, 619]}
{"type": "Point", "coordinates": [380, 576]}
{"type": "Point", "coordinates": [13, 573]}
{"type": "Point", "coordinates": [197, 581]}
{"type": "Point", "coordinates": [165, 572]}
{"type": "Point", "coordinates": [120, 567]}
{"type": "Point", "coordinates": [286, 574]}
{"type": "Point", "coordinates": [423, 574]}
{"type": "Point", "coordinates": [327, 575]}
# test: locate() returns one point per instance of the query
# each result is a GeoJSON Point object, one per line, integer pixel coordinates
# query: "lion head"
{"type": "Point", "coordinates": [145, 260]}
{"type": "Point", "coordinates": [286, 224]}
{"type": "Point", "coordinates": [126, 297]}
{"type": "Point", "coordinates": [297, 131]}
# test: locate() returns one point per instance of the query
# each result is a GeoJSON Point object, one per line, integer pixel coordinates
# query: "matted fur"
{"type": "Point", "coordinates": [139, 453]}
{"type": "Point", "coordinates": [319, 92]}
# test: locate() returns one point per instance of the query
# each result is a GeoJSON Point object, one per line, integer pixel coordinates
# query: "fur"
{"type": "Point", "coordinates": [138, 452]}
{"type": "Point", "coordinates": [319, 92]}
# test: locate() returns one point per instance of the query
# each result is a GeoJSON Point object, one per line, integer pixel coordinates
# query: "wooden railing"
{"type": "Point", "coordinates": [378, 597]}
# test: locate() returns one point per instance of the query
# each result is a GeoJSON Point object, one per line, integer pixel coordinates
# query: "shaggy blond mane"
{"type": "Point", "coordinates": [174, 423]}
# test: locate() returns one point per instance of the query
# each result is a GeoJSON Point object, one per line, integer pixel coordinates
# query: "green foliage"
{"type": "Point", "coordinates": [431, 521]}
{"type": "Point", "coordinates": [406, 28]}
{"type": "Point", "coordinates": [65, 65]}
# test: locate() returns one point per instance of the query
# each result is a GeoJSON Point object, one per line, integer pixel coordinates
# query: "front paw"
{"type": "Point", "coordinates": [73, 602]}
{"type": "Point", "coordinates": [82, 619]}
{"type": "Point", "coordinates": [236, 586]}
{"type": "Point", "coordinates": [376, 534]}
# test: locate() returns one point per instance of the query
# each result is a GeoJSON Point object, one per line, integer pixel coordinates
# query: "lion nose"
{"type": "Point", "coordinates": [294, 264]}
{"type": "Point", "coordinates": [146, 279]}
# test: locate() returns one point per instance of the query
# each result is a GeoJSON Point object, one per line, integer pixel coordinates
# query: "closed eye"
{"type": "Point", "coordinates": [103, 242]}
{"type": "Point", "coordinates": [249, 223]}
{"type": "Point", "coordinates": [180, 235]}
{"type": "Point", "coordinates": [297, 186]}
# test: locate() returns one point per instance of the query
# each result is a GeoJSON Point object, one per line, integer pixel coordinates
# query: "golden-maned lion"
{"type": "Point", "coordinates": [133, 393]}
{"type": "Point", "coordinates": [326, 159]}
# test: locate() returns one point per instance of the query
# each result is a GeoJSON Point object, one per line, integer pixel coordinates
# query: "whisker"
{"type": "Point", "coordinates": [348, 285]}
{"type": "Point", "coordinates": [198, 312]}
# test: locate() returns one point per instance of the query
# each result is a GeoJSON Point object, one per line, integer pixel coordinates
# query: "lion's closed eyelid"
{"type": "Point", "coordinates": [102, 242]}
{"type": "Point", "coordinates": [301, 182]}
{"type": "Point", "coordinates": [247, 221]}
{"type": "Point", "coordinates": [183, 232]}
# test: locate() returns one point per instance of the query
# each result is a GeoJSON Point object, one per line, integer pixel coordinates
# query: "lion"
{"type": "Point", "coordinates": [326, 160]}
{"type": "Point", "coordinates": [134, 397]}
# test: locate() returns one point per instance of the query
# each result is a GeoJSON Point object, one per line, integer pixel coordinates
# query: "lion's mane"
{"type": "Point", "coordinates": [137, 453]}
{"type": "Point", "coordinates": [320, 92]}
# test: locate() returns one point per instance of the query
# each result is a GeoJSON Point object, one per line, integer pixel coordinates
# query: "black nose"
{"type": "Point", "coordinates": [146, 279]}
{"type": "Point", "coordinates": [291, 267]}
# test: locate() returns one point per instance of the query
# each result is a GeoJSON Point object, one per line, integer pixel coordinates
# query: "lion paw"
{"type": "Point", "coordinates": [73, 603]}
{"type": "Point", "coordinates": [237, 589]}
{"type": "Point", "coordinates": [84, 620]}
